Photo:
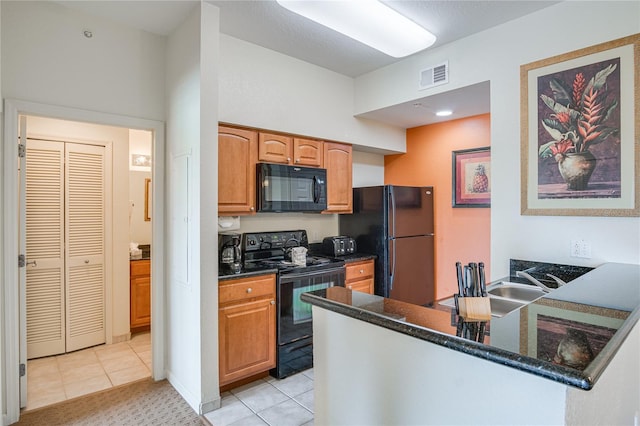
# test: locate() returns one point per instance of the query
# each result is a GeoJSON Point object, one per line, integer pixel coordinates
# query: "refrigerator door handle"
{"type": "Point", "coordinates": [392, 205]}
{"type": "Point", "coordinates": [393, 265]}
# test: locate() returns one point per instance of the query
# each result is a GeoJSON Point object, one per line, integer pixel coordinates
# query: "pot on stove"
{"type": "Point", "coordinates": [297, 255]}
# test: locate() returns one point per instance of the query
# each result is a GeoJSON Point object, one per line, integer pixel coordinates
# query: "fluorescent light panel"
{"type": "Point", "coordinates": [367, 21]}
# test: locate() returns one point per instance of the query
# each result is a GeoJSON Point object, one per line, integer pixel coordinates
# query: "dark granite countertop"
{"type": "Point", "coordinates": [601, 306]}
{"type": "Point", "coordinates": [245, 272]}
{"type": "Point", "coordinates": [357, 257]}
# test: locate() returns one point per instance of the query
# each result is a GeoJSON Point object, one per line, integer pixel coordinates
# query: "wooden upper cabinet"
{"type": "Point", "coordinates": [274, 148]}
{"type": "Point", "coordinates": [338, 162]}
{"type": "Point", "coordinates": [282, 149]}
{"type": "Point", "coordinates": [237, 158]}
{"type": "Point", "coordinates": [307, 152]}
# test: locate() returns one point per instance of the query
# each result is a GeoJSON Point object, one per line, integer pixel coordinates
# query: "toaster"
{"type": "Point", "coordinates": [338, 246]}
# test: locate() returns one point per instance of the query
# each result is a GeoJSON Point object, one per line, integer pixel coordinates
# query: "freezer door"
{"type": "Point", "coordinates": [410, 211]}
{"type": "Point", "coordinates": [411, 269]}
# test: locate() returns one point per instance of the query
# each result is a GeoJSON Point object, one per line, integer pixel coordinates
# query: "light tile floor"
{"type": "Point", "coordinates": [287, 402]}
{"type": "Point", "coordinates": [57, 378]}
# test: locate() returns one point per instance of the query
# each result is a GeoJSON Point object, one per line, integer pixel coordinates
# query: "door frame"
{"type": "Point", "coordinates": [9, 303]}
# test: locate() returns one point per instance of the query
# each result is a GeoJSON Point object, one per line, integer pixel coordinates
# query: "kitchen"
{"type": "Point", "coordinates": [309, 112]}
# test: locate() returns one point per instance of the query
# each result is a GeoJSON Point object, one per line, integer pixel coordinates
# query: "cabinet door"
{"type": "Point", "coordinates": [275, 148]}
{"type": "Point", "coordinates": [237, 158]}
{"type": "Point", "coordinates": [338, 162]}
{"type": "Point", "coordinates": [247, 334]}
{"type": "Point", "coordinates": [140, 302]}
{"type": "Point", "coordinates": [308, 152]}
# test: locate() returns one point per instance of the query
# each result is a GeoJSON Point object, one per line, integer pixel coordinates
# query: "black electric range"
{"type": "Point", "coordinates": [294, 331]}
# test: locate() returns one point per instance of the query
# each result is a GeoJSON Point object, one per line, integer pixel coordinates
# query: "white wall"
{"type": "Point", "coordinates": [191, 302]}
{"type": "Point", "coordinates": [265, 89]}
{"type": "Point", "coordinates": [413, 382]}
{"type": "Point", "coordinates": [47, 59]}
{"type": "Point", "coordinates": [496, 55]}
{"type": "Point", "coordinates": [139, 229]}
{"type": "Point", "coordinates": [368, 169]}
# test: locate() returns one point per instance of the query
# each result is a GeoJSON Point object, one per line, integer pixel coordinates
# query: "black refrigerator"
{"type": "Point", "coordinates": [396, 224]}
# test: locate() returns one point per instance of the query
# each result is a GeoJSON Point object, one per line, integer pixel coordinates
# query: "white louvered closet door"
{"type": "Point", "coordinates": [45, 248]}
{"type": "Point", "coordinates": [84, 237]}
{"type": "Point", "coordinates": [65, 278]}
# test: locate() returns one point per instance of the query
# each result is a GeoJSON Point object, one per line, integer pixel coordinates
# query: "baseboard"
{"type": "Point", "coordinates": [191, 399]}
{"type": "Point", "coordinates": [121, 338]}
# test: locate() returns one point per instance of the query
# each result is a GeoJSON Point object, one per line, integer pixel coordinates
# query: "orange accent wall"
{"type": "Point", "coordinates": [461, 234]}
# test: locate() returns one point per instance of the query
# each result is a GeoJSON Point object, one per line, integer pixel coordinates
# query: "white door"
{"type": "Point", "coordinates": [84, 243]}
{"type": "Point", "coordinates": [65, 208]}
{"type": "Point", "coordinates": [45, 248]}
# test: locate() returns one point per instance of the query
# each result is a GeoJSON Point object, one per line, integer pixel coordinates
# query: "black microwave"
{"type": "Point", "coordinates": [283, 188]}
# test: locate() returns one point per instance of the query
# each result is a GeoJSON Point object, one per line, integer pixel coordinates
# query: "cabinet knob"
{"type": "Point", "coordinates": [249, 290]}
{"type": "Point", "coordinates": [349, 287]}
{"type": "Point", "coordinates": [288, 159]}
{"type": "Point", "coordinates": [297, 160]}
{"type": "Point", "coordinates": [86, 261]}
{"type": "Point", "coordinates": [362, 271]}
{"type": "Point", "coordinates": [252, 208]}
{"type": "Point", "coordinates": [273, 302]}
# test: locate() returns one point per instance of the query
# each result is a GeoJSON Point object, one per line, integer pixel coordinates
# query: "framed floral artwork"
{"type": "Point", "coordinates": [471, 178]}
{"type": "Point", "coordinates": [580, 125]}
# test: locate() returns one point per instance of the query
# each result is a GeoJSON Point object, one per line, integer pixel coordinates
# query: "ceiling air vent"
{"type": "Point", "coordinates": [434, 76]}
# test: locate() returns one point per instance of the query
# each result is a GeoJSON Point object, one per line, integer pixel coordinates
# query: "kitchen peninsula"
{"type": "Point", "coordinates": [396, 363]}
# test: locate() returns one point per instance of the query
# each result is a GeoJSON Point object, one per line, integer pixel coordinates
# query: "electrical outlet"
{"type": "Point", "coordinates": [581, 248]}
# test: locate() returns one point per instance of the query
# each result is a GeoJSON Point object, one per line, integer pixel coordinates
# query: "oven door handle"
{"type": "Point", "coordinates": [295, 275]}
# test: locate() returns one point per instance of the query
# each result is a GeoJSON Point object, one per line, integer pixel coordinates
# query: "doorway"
{"type": "Point", "coordinates": [14, 319]}
{"type": "Point", "coordinates": [73, 185]}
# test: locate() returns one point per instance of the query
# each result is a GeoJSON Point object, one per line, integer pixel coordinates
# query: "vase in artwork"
{"type": "Point", "coordinates": [576, 169]}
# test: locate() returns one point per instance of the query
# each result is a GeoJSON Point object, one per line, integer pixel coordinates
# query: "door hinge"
{"type": "Point", "coordinates": [22, 150]}
{"type": "Point", "coordinates": [22, 261]}
{"type": "Point", "coordinates": [23, 370]}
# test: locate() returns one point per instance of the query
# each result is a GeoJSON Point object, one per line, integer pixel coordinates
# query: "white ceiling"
{"type": "Point", "coordinates": [267, 24]}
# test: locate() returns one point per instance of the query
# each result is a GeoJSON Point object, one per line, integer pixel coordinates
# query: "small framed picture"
{"type": "Point", "coordinates": [471, 178]}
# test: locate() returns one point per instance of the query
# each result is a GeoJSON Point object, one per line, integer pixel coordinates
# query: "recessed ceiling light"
{"type": "Point", "coordinates": [367, 21]}
{"type": "Point", "coordinates": [444, 113]}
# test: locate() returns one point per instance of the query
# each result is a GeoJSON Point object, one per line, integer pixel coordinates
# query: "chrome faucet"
{"type": "Point", "coordinates": [524, 274]}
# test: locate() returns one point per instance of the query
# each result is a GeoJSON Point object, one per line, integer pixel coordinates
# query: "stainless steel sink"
{"type": "Point", "coordinates": [506, 297]}
{"type": "Point", "coordinates": [513, 291]}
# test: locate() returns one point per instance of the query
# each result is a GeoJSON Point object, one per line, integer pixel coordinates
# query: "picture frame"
{"type": "Point", "coordinates": [549, 326]}
{"type": "Point", "coordinates": [471, 177]}
{"type": "Point", "coordinates": [580, 124]}
{"type": "Point", "coordinates": [147, 199]}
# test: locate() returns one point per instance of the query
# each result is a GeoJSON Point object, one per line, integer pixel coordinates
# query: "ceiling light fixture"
{"type": "Point", "coordinates": [444, 113]}
{"type": "Point", "coordinates": [367, 21]}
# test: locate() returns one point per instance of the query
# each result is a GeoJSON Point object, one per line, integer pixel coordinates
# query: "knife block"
{"type": "Point", "coordinates": [474, 308]}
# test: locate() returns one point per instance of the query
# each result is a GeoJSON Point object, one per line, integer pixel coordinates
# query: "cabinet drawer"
{"type": "Point", "coordinates": [140, 267]}
{"type": "Point", "coordinates": [365, 286]}
{"type": "Point", "coordinates": [359, 270]}
{"type": "Point", "coordinates": [247, 288]}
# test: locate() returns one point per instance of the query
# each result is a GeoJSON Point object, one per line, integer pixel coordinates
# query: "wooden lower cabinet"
{"type": "Point", "coordinates": [247, 327]}
{"type": "Point", "coordinates": [140, 294]}
{"type": "Point", "coordinates": [359, 276]}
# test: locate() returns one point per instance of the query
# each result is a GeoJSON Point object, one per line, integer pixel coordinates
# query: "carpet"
{"type": "Point", "coordinates": [141, 403]}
